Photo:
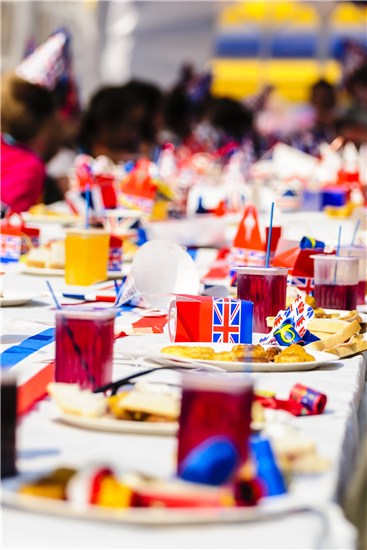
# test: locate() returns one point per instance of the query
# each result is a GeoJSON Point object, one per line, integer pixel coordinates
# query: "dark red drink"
{"type": "Point", "coordinates": [8, 426]}
{"type": "Point", "coordinates": [212, 407]}
{"type": "Point", "coordinates": [361, 300]}
{"type": "Point", "coordinates": [267, 289]}
{"type": "Point", "coordinates": [84, 347]}
{"type": "Point", "coordinates": [336, 296]}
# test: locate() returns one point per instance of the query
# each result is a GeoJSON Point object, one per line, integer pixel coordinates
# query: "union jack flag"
{"type": "Point", "coordinates": [25, 248]}
{"type": "Point", "coordinates": [248, 257]}
{"type": "Point", "coordinates": [10, 247]}
{"type": "Point", "coordinates": [307, 284]}
{"type": "Point", "coordinates": [115, 259]}
{"type": "Point", "coordinates": [136, 201]}
{"type": "Point", "coordinates": [226, 321]}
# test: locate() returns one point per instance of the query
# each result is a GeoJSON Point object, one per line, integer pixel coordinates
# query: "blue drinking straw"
{"type": "Point", "coordinates": [337, 253]}
{"type": "Point", "coordinates": [53, 295]}
{"type": "Point", "coordinates": [87, 198]}
{"type": "Point", "coordinates": [355, 232]}
{"type": "Point", "coordinates": [269, 235]}
{"type": "Point", "coordinates": [338, 248]}
{"type": "Point", "coordinates": [117, 288]}
{"type": "Point", "coordinates": [156, 154]}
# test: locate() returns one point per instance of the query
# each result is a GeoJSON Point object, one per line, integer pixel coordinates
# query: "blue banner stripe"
{"type": "Point", "coordinates": [15, 354]}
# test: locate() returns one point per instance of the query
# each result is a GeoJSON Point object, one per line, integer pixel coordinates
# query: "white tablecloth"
{"type": "Point", "coordinates": [44, 444]}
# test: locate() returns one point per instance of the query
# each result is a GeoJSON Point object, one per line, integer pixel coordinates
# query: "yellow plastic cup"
{"type": "Point", "coordinates": [86, 252]}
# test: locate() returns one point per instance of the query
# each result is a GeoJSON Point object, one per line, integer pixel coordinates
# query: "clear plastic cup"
{"type": "Point", "coordinates": [266, 288]}
{"type": "Point", "coordinates": [361, 254]}
{"type": "Point", "coordinates": [336, 281]}
{"type": "Point", "coordinates": [86, 256]}
{"type": "Point", "coordinates": [84, 346]}
{"type": "Point", "coordinates": [214, 409]}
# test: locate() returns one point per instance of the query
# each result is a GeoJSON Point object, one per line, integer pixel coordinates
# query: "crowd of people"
{"type": "Point", "coordinates": [43, 127]}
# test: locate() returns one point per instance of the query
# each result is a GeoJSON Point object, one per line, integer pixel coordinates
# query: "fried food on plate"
{"type": "Point", "coordinates": [224, 356]}
{"type": "Point", "coordinates": [243, 352]}
{"type": "Point", "coordinates": [294, 354]}
{"type": "Point", "coordinates": [190, 352]}
{"type": "Point", "coordinates": [272, 352]}
{"type": "Point", "coordinates": [51, 486]}
{"type": "Point", "coordinates": [249, 350]}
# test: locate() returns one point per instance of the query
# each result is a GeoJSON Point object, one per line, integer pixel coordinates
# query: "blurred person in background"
{"type": "Point", "coordinates": [40, 104]}
{"type": "Point", "coordinates": [232, 118]}
{"type": "Point", "coordinates": [187, 107]}
{"type": "Point", "coordinates": [323, 130]}
{"type": "Point", "coordinates": [113, 123]}
{"type": "Point", "coordinates": [202, 122]}
{"type": "Point", "coordinates": [30, 136]}
{"type": "Point", "coordinates": [151, 99]}
{"type": "Point", "coordinates": [353, 126]}
{"type": "Point", "coordinates": [60, 165]}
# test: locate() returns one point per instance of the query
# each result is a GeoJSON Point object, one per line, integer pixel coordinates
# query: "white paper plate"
{"type": "Point", "coordinates": [270, 508]}
{"type": "Point", "coordinates": [154, 352]}
{"type": "Point", "coordinates": [128, 427]}
{"type": "Point", "coordinates": [47, 272]}
{"type": "Point", "coordinates": [126, 268]}
{"type": "Point", "coordinates": [123, 213]}
{"type": "Point", "coordinates": [106, 424]}
{"type": "Point", "coordinates": [13, 298]}
{"type": "Point", "coordinates": [41, 271]}
{"type": "Point", "coordinates": [51, 218]}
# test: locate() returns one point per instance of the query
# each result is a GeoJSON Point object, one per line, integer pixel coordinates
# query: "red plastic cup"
{"type": "Point", "coordinates": [214, 407]}
{"type": "Point", "coordinates": [266, 288]}
{"type": "Point", "coordinates": [84, 347]}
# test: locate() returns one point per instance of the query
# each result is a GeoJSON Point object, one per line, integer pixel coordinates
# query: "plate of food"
{"type": "Point", "coordinates": [148, 408]}
{"type": "Point", "coordinates": [11, 298]}
{"type": "Point", "coordinates": [151, 409]}
{"type": "Point", "coordinates": [239, 358]}
{"type": "Point", "coordinates": [340, 333]}
{"type": "Point", "coordinates": [45, 260]}
{"type": "Point", "coordinates": [55, 272]}
{"type": "Point", "coordinates": [41, 213]}
{"type": "Point", "coordinates": [97, 493]}
{"type": "Point", "coordinates": [49, 261]}
{"type": "Point", "coordinates": [41, 271]}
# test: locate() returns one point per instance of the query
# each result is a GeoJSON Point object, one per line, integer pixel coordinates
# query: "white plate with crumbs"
{"type": "Point", "coordinates": [154, 352]}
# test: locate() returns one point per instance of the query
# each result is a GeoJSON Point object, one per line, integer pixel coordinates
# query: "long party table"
{"type": "Point", "coordinates": [44, 444]}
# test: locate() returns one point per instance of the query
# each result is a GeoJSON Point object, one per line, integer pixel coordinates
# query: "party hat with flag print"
{"type": "Point", "coordinates": [49, 64]}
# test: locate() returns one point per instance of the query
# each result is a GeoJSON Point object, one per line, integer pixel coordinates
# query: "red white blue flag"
{"type": "Point", "coordinates": [226, 321]}
{"type": "Point", "coordinates": [307, 284]}
{"type": "Point", "coordinates": [206, 319]}
{"type": "Point", "coordinates": [10, 247]}
{"type": "Point", "coordinates": [115, 259]}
